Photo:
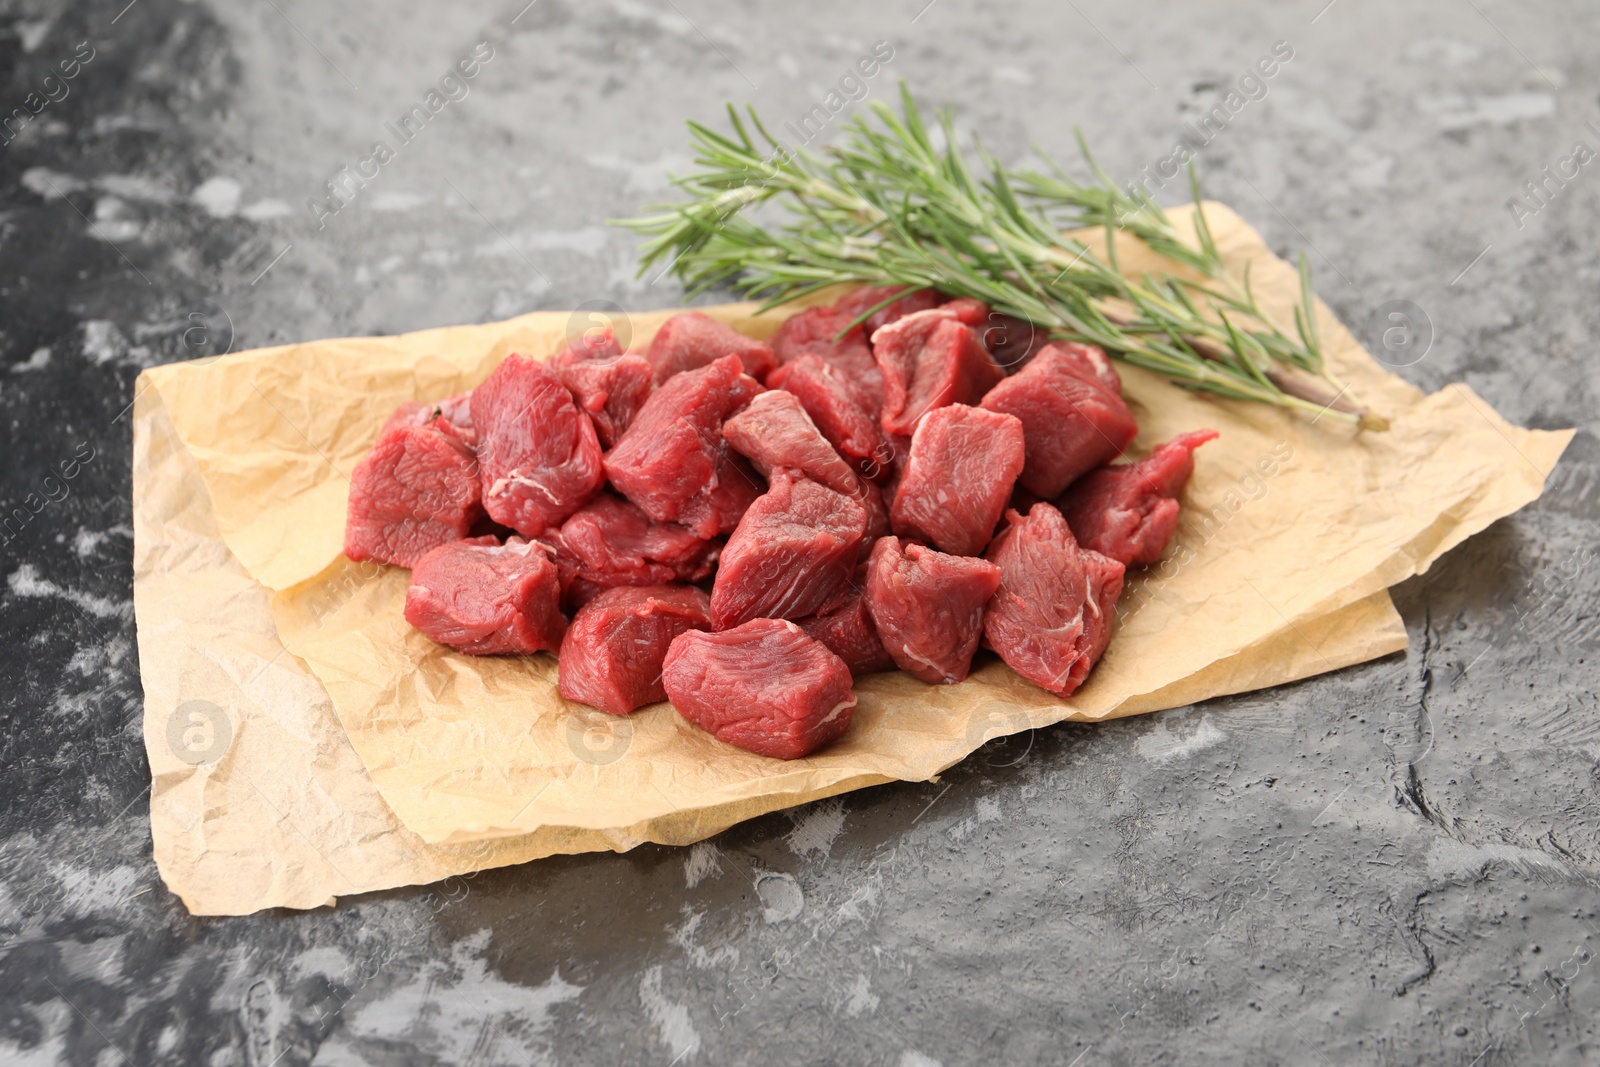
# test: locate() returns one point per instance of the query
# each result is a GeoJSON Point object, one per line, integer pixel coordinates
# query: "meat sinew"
{"type": "Point", "coordinates": [1129, 512]}
{"type": "Point", "coordinates": [416, 490]}
{"type": "Point", "coordinates": [812, 332]}
{"type": "Point", "coordinates": [775, 431]}
{"type": "Point", "coordinates": [848, 631]}
{"type": "Point", "coordinates": [487, 599]}
{"type": "Point", "coordinates": [1073, 417]}
{"type": "Point", "coordinates": [693, 340]}
{"type": "Point", "coordinates": [673, 462]}
{"type": "Point", "coordinates": [841, 412]}
{"type": "Point", "coordinates": [957, 478]}
{"type": "Point", "coordinates": [764, 686]}
{"type": "Point", "coordinates": [793, 554]}
{"type": "Point", "coordinates": [927, 607]}
{"type": "Point", "coordinates": [928, 360]}
{"type": "Point", "coordinates": [538, 456]}
{"type": "Point", "coordinates": [1052, 616]}
{"type": "Point", "coordinates": [608, 384]}
{"type": "Point", "coordinates": [612, 655]}
{"type": "Point", "coordinates": [610, 542]}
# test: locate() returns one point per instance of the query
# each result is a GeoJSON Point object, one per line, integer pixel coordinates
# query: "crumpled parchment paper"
{"type": "Point", "coordinates": [305, 744]}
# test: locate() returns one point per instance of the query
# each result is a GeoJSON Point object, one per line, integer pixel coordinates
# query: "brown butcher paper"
{"type": "Point", "coordinates": [306, 744]}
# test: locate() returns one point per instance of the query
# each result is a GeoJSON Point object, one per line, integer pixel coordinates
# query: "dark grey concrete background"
{"type": "Point", "coordinates": [1397, 864]}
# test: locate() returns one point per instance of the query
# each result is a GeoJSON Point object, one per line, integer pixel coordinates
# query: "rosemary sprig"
{"type": "Point", "coordinates": [1070, 203]}
{"type": "Point", "coordinates": [894, 204]}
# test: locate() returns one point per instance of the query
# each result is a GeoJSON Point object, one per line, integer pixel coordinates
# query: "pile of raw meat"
{"type": "Point", "coordinates": [893, 494]}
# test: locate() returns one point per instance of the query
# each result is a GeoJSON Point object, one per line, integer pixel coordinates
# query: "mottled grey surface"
{"type": "Point", "coordinates": [1397, 864]}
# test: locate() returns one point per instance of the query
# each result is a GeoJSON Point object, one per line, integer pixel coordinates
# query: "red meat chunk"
{"type": "Point", "coordinates": [538, 457]}
{"type": "Point", "coordinates": [811, 333]}
{"type": "Point", "coordinates": [928, 360]}
{"type": "Point", "coordinates": [927, 607]}
{"type": "Point", "coordinates": [1129, 512]}
{"type": "Point", "coordinates": [958, 477]}
{"type": "Point", "coordinates": [793, 554]}
{"type": "Point", "coordinates": [611, 657]}
{"type": "Point", "coordinates": [487, 599]}
{"type": "Point", "coordinates": [775, 431]}
{"type": "Point", "coordinates": [1052, 616]}
{"type": "Point", "coordinates": [611, 542]}
{"type": "Point", "coordinates": [847, 630]}
{"type": "Point", "coordinates": [764, 686]}
{"type": "Point", "coordinates": [1073, 418]}
{"type": "Point", "coordinates": [673, 462]}
{"type": "Point", "coordinates": [608, 384]}
{"type": "Point", "coordinates": [841, 413]}
{"type": "Point", "coordinates": [908, 302]}
{"type": "Point", "coordinates": [416, 490]}
{"type": "Point", "coordinates": [692, 340]}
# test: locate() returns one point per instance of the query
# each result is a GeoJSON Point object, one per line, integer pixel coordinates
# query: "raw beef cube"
{"type": "Point", "coordinates": [1052, 617]}
{"type": "Point", "coordinates": [673, 462]}
{"type": "Point", "coordinates": [611, 657]}
{"type": "Point", "coordinates": [958, 477]}
{"type": "Point", "coordinates": [1072, 417]}
{"type": "Point", "coordinates": [764, 686]}
{"type": "Point", "coordinates": [1129, 512]}
{"type": "Point", "coordinates": [487, 599]}
{"type": "Point", "coordinates": [812, 332]}
{"type": "Point", "coordinates": [607, 383]}
{"type": "Point", "coordinates": [416, 490]}
{"type": "Point", "coordinates": [908, 301]}
{"type": "Point", "coordinates": [775, 431]}
{"type": "Point", "coordinates": [847, 630]}
{"type": "Point", "coordinates": [793, 554]}
{"type": "Point", "coordinates": [692, 340]}
{"type": "Point", "coordinates": [610, 542]}
{"type": "Point", "coordinates": [927, 607]}
{"type": "Point", "coordinates": [843, 415]}
{"type": "Point", "coordinates": [928, 360]}
{"type": "Point", "coordinates": [538, 456]}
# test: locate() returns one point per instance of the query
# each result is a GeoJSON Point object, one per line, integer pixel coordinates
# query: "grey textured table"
{"type": "Point", "coordinates": [1395, 864]}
